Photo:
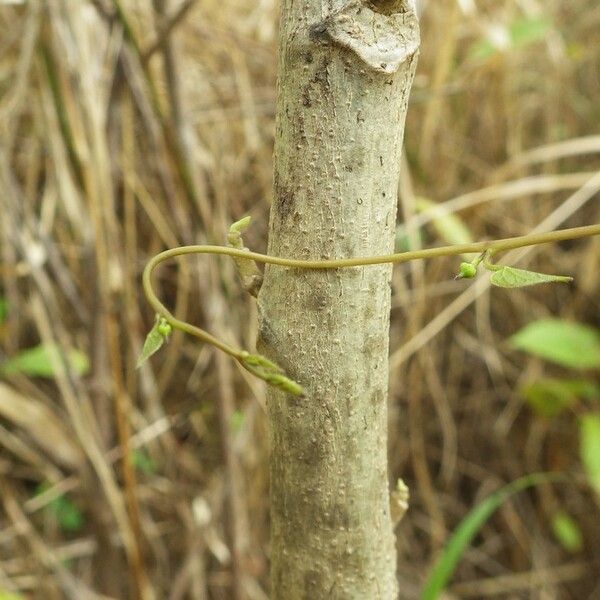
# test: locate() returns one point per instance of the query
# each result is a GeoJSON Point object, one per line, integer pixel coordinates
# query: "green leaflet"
{"type": "Point", "coordinates": [154, 340]}
{"type": "Point", "coordinates": [504, 276]}
{"type": "Point", "coordinates": [509, 277]}
{"type": "Point", "coordinates": [468, 528]}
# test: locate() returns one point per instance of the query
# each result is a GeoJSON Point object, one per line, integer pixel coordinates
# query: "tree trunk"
{"type": "Point", "coordinates": [345, 72]}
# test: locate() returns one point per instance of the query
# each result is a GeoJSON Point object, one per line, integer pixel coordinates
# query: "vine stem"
{"type": "Point", "coordinates": [493, 247]}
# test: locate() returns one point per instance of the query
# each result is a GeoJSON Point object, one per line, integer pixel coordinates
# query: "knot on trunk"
{"type": "Point", "coordinates": [382, 33]}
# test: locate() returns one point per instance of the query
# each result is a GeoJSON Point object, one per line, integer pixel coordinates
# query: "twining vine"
{"type": "Point", "coordinates": [502, 276]}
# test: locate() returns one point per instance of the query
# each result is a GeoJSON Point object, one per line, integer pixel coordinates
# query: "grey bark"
{"type": "Point", "coordinates": [345, 72]}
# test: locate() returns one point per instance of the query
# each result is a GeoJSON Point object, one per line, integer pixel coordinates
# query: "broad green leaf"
{"type": "Point", "coordinates": [468, 528]}
{"type": "Point", "coordinates": [154, 340]}
{"type": "Point", "coordinates": [38, 361]}
{"type": "Point", "coordinates": [589, 447]}
{"type": "Point", "coordinates": [548, 397]}
{"type": "Point", "coordinates": [509, 277]}
{"type": "Point", "coordinates": [567, 531]}
{"type": "Point", "coordinates": [450, 227]}
{"type": "Point", "coordinates": [563, 342]}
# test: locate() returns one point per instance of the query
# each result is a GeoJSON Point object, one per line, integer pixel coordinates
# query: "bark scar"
{"type": "Point", "coordinates": [383, 39]}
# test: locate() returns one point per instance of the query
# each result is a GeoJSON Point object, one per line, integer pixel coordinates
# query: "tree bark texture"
{"type": "Point", "coordinates": [345, 72]}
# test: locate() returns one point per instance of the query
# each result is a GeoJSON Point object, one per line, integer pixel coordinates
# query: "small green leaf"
{"type": "Point", "coordinates": [467, 530]}
{"type": "Point", "coordinates": [154, 340]}
{"type": "Point", "coordinates": [509, 277]}
{"type": "Point", "coordinates": [38, 361]}
{"type": "Point", "coordinates": [567, 532]}
{"type": "Point", "coordinates": [589, 447]}
{"type": "Point", "coordinates": [568, 344]}
{"type": "Point", "coordinates": [548, 397]}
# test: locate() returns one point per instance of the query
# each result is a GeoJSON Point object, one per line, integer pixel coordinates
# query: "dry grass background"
{"type": "Point", "coordinates": [123, 133]}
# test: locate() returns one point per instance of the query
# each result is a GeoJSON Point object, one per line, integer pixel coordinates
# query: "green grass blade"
{"type": "Point", "coordinates": [467, 530]}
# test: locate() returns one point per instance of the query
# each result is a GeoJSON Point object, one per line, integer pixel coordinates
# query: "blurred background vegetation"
{"type": "Point", "coordinates": [130, 126]}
